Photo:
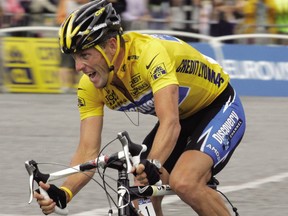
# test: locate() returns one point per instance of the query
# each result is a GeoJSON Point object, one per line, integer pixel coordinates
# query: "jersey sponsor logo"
{"type": "Point", "coordinates": [138, 85]}
{"type": "Point", "coordinates": [158, 72]}
{"type": "Point", "coordinates": [145, 105]}
{"type": "Point", "coordinates": [200, 69]}
{"type": "Point", "coordinates": [111, 97]}
{"type": "Point", "coordinates": [118, 104]}
{"type": "Point", "coordinates": [228, 130]}
{"type": "Point", "coordinates": [150, 63]}
{"type": "Point", "coordinates": [135, 79]}
{"type": "Point", "coordinates": [112, 100]}
{"type": "Point", "coordinates": [81, 102]}
{"type": "Point", "coordinates": [137, 90]}
{"type": "Point", "coordinates": [205, 144]}
{"type": "Point", "coordinates": [215, 150]}
{"type": "Point", "coordinates": [133, 57]}
{"type": "Point", "coordinates": [146, 108]}
{"type": "Point", "coordinates": [142, 189]}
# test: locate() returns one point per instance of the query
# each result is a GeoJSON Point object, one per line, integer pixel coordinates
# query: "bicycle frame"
{"type": "Point", "coordinates": [120, 161]}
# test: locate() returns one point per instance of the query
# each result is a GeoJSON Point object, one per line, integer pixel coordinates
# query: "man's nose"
{"type": "Point", "coordinates": [79, 65]}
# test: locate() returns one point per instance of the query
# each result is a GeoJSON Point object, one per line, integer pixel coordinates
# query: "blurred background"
{"type": "Point", "coordinates": [31, 61]}
{"type": "Point", "coordinates": [38, 106]}
{"type": "Point", "coordinates": [208, 17]}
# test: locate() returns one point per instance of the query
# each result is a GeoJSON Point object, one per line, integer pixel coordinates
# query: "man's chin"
{"type": "Point", "coordinates": [99, 85]}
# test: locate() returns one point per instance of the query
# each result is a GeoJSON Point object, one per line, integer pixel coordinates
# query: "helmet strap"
{"type": "Point", "coordinates": [110, 64]}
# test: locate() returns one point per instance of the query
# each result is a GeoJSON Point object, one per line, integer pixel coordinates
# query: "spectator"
{"type": "Point", "coordinates": [25, 5]}
{"type": "Point", "coordinates": [65, 7]}
{"type": "Point", "coordinates": [259, 17]}
{"type": "Point", "coordinates": [204, 17]}
{"type": "Point", "coordinates": [224, 17]}
{"type": "Point", "coordinates": [1, 16]}
{"type": "Point", "coordinates": [281, 8]}
{"type": "Point", "coordinates": [67, 74]}
{"type": "Point", "coordinates": [133, 18]}
{"type": "Point", "coordinates": [119, 5]}
{"type": "Point", "coordinates": [177, 15]}
{"type": "Point", "coordinates": [40, 7]}
{"type": "Point", "coordinates": [189, 11]}
{"type": "Point", "coordinates": [1, 65]}
{"type": "Point", "coordinates": [43, 6]}
{"type": "Point", "coordinates": [268, 15]}
{"type": "Point", "coordinates": [14, 14]}
{"type": "Point", "coordinates": [159, 13]}
{"type": "Point", "coordinates": [250, 16]}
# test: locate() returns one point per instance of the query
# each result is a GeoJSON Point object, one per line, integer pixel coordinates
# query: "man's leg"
{"type": "Point", "coordinates": [194, 167]}
{"type": "Point", "coordinates": [156, 201]}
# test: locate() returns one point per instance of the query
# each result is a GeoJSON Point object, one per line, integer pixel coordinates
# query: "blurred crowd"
{"type": "Point", "coordinates": [208, 17]}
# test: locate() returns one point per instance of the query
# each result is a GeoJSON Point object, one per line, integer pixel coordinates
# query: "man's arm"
{"type": "Point", "coordinates": [88, 149]}
{"type": "Point", "coordinates": [166, 106]}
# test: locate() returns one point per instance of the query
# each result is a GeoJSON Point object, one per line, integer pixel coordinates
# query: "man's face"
{"type": "Point", "coordinates": [92, 63]}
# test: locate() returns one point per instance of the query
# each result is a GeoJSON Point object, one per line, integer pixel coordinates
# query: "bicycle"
{"type": "Point", "coordinates": [122, 161]}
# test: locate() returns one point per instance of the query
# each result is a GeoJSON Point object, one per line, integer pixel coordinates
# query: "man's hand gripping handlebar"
{"type": "Point", "coordinates": [131, 154]}
{"type": "Point", "coordinates": [36, 175]}
{"type": "Point", "coordinates": [151, 167]}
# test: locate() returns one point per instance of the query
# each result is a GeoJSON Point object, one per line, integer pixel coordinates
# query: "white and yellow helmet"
{"type": "Point", "coordinates": [87, 26]}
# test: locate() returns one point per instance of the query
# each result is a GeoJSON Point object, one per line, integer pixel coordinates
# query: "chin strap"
{"type": "Point", "coordinates": [110, 63]}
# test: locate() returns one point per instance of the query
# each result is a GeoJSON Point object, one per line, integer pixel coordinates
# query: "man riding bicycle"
{"type": "Point", "coordinates": [200, 117]}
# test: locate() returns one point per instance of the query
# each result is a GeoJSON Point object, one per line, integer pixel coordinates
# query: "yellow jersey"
{"type": "Point", "coordinates": [152, 62]}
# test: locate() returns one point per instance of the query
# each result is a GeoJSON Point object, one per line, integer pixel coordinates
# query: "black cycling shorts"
{"type": "Point", "coordinates": [215, 130]}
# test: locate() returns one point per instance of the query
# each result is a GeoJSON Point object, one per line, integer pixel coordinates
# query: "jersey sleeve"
{"type": "Point", "coordinates": [159, 66]}
{"type": "Point", "coordinates": [90, 101]}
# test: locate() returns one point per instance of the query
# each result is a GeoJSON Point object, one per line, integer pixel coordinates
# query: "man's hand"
{"type": "Point", "coordinates": [57, 197]}
{"type": "Point", "coordinates": [147, 172]}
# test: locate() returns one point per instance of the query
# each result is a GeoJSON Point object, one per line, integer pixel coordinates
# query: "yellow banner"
{"type": "Point", "coordinates": [31, 64]}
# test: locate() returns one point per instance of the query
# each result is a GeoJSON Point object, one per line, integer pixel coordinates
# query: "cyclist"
{"type": "Point", "coordinates": [201, 119]}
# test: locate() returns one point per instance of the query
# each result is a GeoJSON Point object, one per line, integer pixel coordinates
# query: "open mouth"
{"type": "Point", "coordinates": [92, 75]}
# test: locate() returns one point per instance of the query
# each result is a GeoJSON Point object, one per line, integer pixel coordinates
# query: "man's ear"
{"type": "Point", "coordinates": [112, 45]}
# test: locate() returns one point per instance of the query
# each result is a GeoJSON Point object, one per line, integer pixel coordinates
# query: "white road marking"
{"type": "Point", "coordinates": [225, 189]}
{"type": "Point", "coordinates": [173, 198]}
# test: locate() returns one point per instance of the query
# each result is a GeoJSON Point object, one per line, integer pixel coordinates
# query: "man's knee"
{"type": "Point", "coordinates": [182, 185]}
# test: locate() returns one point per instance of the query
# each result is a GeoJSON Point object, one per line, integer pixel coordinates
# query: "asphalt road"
{"type": "Point", "coordinates": [45, 127]}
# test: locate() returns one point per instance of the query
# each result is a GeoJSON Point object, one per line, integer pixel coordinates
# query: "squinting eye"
{"type": "Point", "coordinates": [84, 56]}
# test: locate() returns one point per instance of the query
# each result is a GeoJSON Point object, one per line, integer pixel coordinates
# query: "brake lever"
{"type": "Point", "coordinates": [36, 175]}
{"type": "Point", "coordinates": [30, 169]}
{"type": "Point", "coordinates": [131, 149]}
{"type": "Point", "coordinates": [123, 139]}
